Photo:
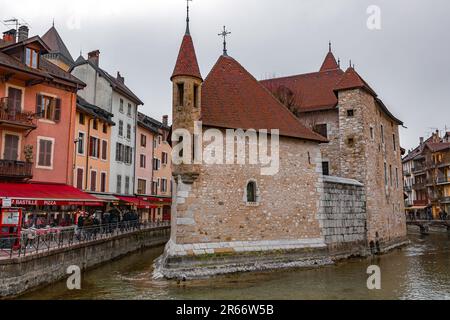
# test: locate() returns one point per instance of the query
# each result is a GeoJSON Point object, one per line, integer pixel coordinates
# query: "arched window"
{"type": "Point", "coordinates": [251, 191]}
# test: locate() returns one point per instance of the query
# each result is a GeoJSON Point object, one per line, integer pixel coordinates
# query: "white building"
{"type": "Point", "coordinates": [111, 94]}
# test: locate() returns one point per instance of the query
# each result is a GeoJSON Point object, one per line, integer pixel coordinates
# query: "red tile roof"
{"type": "Point", "coordinates": [187, 64]}
{"type": "Point", "coordinates": [352, 80]}
{"type": "Point", "coordinates": [233, 98]}
{"type": "Point", "coordinates": [329, 63]}
{"type": "Point", "coordinates": [312, 91]}
{"type": "Point", "coordinates": [438, 146]}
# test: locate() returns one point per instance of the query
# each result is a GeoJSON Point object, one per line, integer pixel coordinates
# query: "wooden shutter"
{"type": "Point", "coordinates": [48, 153]}
{"type": "Point", "coordinates": [104, 150]}
{"type": "Point", "coordinates": [39, 106]}
{"type": "Point", "coordinates": [57, 115]}
{"type": "Point", "coordinates": [93, 180]}
{"type": "Point", "coordinates": [103, 182]}
{"type": "Point", "coordinates": [80, 178]}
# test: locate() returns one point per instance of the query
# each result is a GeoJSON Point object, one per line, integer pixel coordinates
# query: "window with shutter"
{"type": "Point", "coordinates": [104, 150]}
{"type": "Point", "coordinates": [39, 106]}
{"type": "Point", "coordinates": [45, 153]}
{"type": "Point", "coordinates": [103, 182]}
{"type": "Point", "coordinates": [11, 148]}
{"type": "Point", "coordinates": [93, 180]}
{"type": "Point", "coordinates": [57, 115]}
{"type": "Point", "coordinates": [14, 100]}
{"type": "Point", "coordinates": [80, 178]}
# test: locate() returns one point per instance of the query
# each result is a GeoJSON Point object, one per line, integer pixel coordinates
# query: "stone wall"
{"type": "Point", "coordinates": [21, 274]}
{"type": "Point", "coordinates": [375, 160]}
{"type": "Point", "coordinates": [343, 217]}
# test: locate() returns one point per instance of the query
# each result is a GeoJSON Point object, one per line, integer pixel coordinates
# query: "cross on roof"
{"type": "Point", "coordinates": [224, 34]}
{"type": "Point", "coordinates": [187, 17]}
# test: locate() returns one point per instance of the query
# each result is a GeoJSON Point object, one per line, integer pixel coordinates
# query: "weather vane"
{"type": "Point", "coordinates": [224, 34]}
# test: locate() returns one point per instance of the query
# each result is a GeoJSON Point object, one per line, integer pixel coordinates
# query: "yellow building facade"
{"type": "Point", "coordinates": [92, 150]}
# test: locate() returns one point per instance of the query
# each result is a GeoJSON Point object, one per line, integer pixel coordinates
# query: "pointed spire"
{"type": "Point", "coordinates": [187, 64]}
{"type": "Point", "coordinates": [330, 61]}
{"type": "Point", "coordinates": [351, 80]}
{"type": "Point", "coordinates": [188, 31]}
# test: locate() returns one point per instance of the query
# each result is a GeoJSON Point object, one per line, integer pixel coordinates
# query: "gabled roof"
{"type": "Point", "coordinates": [47, 70]}
{"type": "Point", "coordinates": [151, 124]}
{"type": "Point", "coordinates": [352, 80]}
{"type": "Point", "coordinates": [187, 64]}
{"type": "Point", "coordinates": [437, 146]}
{"type": "Point", "coordinates": [117, 85]}
{"type": "Point", "coordinates": [417, 151]}
{"type": "Point", "coordinates": [94, 111]}
{"type": "Point", "coordinates": [329, 63]}
{"type": "Point", "coordinates": [56, 44]}
{"type": "Point", "coordinates": [233, 98]}
{"type": "Point", "coordinates": [7, 46]}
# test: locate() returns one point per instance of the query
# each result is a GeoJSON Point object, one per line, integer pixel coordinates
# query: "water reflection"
{"type": "Point", "coordinates": [419, 271]}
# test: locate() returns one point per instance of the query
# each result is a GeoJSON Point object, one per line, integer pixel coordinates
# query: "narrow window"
{"type": "Point", "coordinates": [196, 102]}
{"type": "Point", "coordinates": [142, 186]}
{"type": "Point", "coordinates": [385, 175]}
{"type": "Point", "coordinates": [81, 143]}
{"type": "Point", "coordinates": [119, 184]}
{"type": "Point", "coordinates": [81, 119]}
{"type": "Point", "coordinates": [143, 140]}
{"type": "Point", "coordinates": [350, 113]}
{"type": "Point", "coordinates": [120, 128]}
{"type": "Point", "coordinates": [180, 87]}
{"type": "Point", "coordinates": [127, 185]}
{"type": "Point", "coordinates": [121, 106]}
{"type": "Point", "coordinates": [326, 168]}
{"type": "Point", "coordinates": [93, 180]}
{"type": "Point", "coordinates": [129, 110]}
{"type": "Point", "coordinates": [95, 125]}
{"type": "Point", "coordinates": [105, 128]}
{"type": "Point", "coordinates": [104, 150]}
{"type": "Point", "coordinates": [396, 178]}
{"type": "Point", "coordinates": [45, 153]}
{"type": "Point", "coordinates": [382, 134]}
{"type": "Point", "coordinates": [394, 142]}
{"type": "Point", "coordinates": [371, 133]}
{"type": "Point", "coordinates": [129, 131]}
{"type": "Point", "coordinates": [251, 191]}
{"type": "Point", "coordinates": [80, 175]}
{"type": "Point", "coordinates": [103, 182]}
{"type": "Point", "coordinates": [390, 175]}
{"type": "Point", "coordinates": [143, 161]}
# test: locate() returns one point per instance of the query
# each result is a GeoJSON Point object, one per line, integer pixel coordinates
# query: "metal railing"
{"type": "Point", "coordinates": [30, 242]}
{"type": "Point", "coordinates": [12, 115]}
{"type": "Point", "coordinates": [15, 169]}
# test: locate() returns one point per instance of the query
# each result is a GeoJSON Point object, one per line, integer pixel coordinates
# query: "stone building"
{"type": "Point", "coordinates": [363, 138]}
{"type": "Point", "coordinates": [230, 217]}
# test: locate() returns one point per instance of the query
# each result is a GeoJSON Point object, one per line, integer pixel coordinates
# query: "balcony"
{"type": "Point", "coordinates": [15, 170]}
{"type": "Point", "coordinates": [407, 173]}
{"type": "Point", "coordinates": [408, 188]}
{"type": "Point", "coordinates": [420, 185]}
{"type": "Point", "coordinates": [443, 180]}
{"type": "Point", "coordinates": [420, 203]}
{"type": "Point", "coordinates": [418, 168]}
{"type": "Point", "coordinates": [13, 118]}
{"type": "Point", "coordinates": [445, 200]}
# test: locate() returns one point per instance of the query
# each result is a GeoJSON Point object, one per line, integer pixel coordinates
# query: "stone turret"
{"type": "Point", "coordinates": [187, 85]}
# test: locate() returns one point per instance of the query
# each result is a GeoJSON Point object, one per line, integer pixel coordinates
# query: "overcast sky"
{"type": "Point", "coordinates": [407, 62]}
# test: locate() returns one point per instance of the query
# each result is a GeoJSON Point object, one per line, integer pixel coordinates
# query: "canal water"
{"type": "Point", "coordinates": [418, 271]}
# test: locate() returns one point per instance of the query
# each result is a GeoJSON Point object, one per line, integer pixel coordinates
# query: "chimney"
{"type": "Point", "coordinates": [23, 33]}
{"type": "Point", "coordinates": [94, 57]}
{"type": "Point", "coordinates": [120, 78]}
{"type": "Point", "coordinates": [421, 141]}
{"type": "Point", "coordinates": [10, 36]}
{"type": "Point", "coordinates": [165, 120]}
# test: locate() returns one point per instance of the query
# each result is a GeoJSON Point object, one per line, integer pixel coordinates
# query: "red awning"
{"type": "Point", "coordinates": [41, 194]}
{"type": "Point", "coordinates": [141, 204]}
{"type": "Point", "coordinates": [155, 199]}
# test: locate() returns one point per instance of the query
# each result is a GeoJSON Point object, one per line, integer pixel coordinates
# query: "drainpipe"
{"type": "Point", "coordinates": [88, 147]}
{"type": "Point", "coordinates": [71, 139]}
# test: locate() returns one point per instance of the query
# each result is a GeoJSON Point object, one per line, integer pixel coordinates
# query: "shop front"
{"type": "Point", "coordinates": [47, 205]}
{"type": "Point", "coordinates": [161, 208]}
{"type": "Point", "coordinates": [138, 205]}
